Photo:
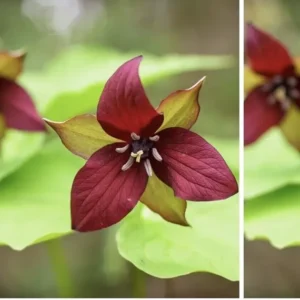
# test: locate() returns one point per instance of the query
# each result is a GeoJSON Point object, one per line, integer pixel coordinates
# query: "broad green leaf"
{"type": "Point", "coordinates": [16, 148]}
{"type": "Point", "coordinates": [270, 163]}
{"type": "Point", "coordinates": [166, 250]}
{"type": "Point", "coordinates": [73, 82]}
{"type": "Point", "coordinates": [275, 217]}
{"type": "Point", "coordinates": [35, 200]}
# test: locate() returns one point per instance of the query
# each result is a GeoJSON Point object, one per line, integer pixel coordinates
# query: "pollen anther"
{"type": "Point", "coordinates": [128, 164]}
{"type": "Point", "coordinates": [292, 81]}
{"type": "Point", "coordinates": [277, 79]}
{"type": "Point", "coordinates": [137, 155]}
{"type": "Point", "coordinates": [295, 93]}
{"type": "Point", "coordinates": [154, 138]}
{"type": "Point", "coordinates": [148, 167]}
{"type": "Point", "coordinates": [134, 136]}
{"type": "Point", "coordinates": [285, 105]}
{"type": "Point", "coordinates": [122, 149]}
{"type": "Point", "coordinates": [156, 155]}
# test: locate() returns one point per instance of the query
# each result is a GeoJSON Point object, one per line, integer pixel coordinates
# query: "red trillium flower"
{"type": "Point", "coordinates": [135, 152]}
{"type": "Point", "coordinates": [17, 110]}
{"type": "Point", "coordinates": [267, 104]}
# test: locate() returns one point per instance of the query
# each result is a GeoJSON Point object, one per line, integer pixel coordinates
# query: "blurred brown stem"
{"type": "Point", "coordinates": [169, 288]}
{"type": "Point", "coordinates": [138, 283]}
{"type": "Point", "coordinates": [60, 269]}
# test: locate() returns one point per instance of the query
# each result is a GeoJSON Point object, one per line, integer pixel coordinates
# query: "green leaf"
{"type": "Point", "coordinates": [275, 217]}
{"type": "Point", "coordinates": [17, 148]}
{"type": "Point", "coordinates": [166, 250]}
{"type": "Point", "coordinates": [270, 163]}
{"type": "Point", "coordinates": [35, 200]}
{"type": "Point", "coordinates": [73, 82]}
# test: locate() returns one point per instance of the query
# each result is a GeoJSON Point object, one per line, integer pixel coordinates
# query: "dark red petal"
{"type": "Point", "coordinates": [259, 115]}
{"type": "Point", "coordinates": [103, 194]}
{"type": "Point", "coordinates": [265, 54]}
{"type": "Point", "coordinates": [18, 108]}
{"type": "Point", "coordinates": [124, 107]}
{"type": "Point", "coordinates": [192, 167]}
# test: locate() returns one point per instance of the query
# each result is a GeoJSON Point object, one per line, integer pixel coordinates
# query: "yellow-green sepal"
{"type": "Point", "coordinates": [11, 64]}
{"type": "Point", "coordinates": [181, 108]}
{"type": "Point", "coordinates": [82, 135]}
{"type": "Point", "coordinates": [161, 200]}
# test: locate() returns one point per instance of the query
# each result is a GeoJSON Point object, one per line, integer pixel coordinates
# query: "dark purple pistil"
{"type": "Point", "coordinates": [289, 84]}
{"type": "Point", "coordinates": [143, 144]}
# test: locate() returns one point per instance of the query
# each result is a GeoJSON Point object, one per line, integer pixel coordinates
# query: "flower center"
{"type": "Point", "coordinates": [283, 90]}
{"type": "Point", "coordinates": [141, 150]}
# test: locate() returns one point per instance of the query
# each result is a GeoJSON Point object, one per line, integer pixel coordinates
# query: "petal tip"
{"type": "Point", "coordinates": [41, 127]}
{"type": "Point", "coordinates": [52, 124]}
{"type": "Point", "coordinates": [198, 85]}
{"type": "Point", "coordinates": [78, 225]}
{"type": "Point", "coordinates": [249, 24]}
{"type": "Point", "coordinates": [76, 228]}
{"type": "Point", "coordinates": [234, 188]}
{"type": "Point", "coordinates": [185, 223]}
{"type": "Point", "coordinates": [251, 30]}
{"type": "Point", "coordinates": [20, 54]}
{"type": "Point", "coordinates": [138, 58]}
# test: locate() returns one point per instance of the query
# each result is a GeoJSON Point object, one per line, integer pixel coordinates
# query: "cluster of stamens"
{"type": "Point", "coordinates": [141, 149]}
{"type": "Point", "coordinates": [282, 89]}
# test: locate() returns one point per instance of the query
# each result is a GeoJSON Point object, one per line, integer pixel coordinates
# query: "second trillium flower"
{"type": "Point", "coordinates": [17, 109]}
{"type": "Point", "coordinates": [275, 95]}
{"type": "Point", "coordinates": [130, 145]}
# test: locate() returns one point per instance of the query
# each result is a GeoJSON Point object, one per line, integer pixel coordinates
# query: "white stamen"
{"type": "Point", "coordinates": [277, 79]}
{"type": "Point", "coordinates": [137, 155]}
{"type": "Point", "coordinates": [156, 155]}
{"type": "Point", "coordinates": [154, 138]}
{"type": "Point", "coordinates": [292, 81]}
{"type": "Point", "coordinates": [295, 93]}
{"type": "Point", "coordinates": [148, 167]}
{"type": "Point", "coordinates": [285, 105]}
{"type": "Point", "coordinates": [128, 164]}
{"type": "Point", "coordinates": [135, 137]}
{"type": "Point", "coordinates": [123, 149]}
{"type": "Point", "coordinates": [267, 87]}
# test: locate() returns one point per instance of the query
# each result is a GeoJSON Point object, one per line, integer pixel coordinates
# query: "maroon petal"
{"type": "Point", "coordinates": [124, 107]}
{"type": "Point", "coordinates": [18, 108]}
{"type": "Point", "coordinates": [265, 54]}
{"type": "Point", "coordinates": [103, 194]}
{"type": "Point", "coordinates": [192, 167]}
{"type": "Point", "coordinates": [259, 115]}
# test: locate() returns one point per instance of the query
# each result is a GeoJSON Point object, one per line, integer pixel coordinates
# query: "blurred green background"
{"type": "Point", "coordinates": [47, 27]}
{"type": "Point", "coordinates": [270, 272]}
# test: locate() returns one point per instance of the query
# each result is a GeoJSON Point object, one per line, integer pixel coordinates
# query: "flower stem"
{"type": "Point", "coordinates": [60, 269]}
{"type": "Point", "coordinates": [138, 283]}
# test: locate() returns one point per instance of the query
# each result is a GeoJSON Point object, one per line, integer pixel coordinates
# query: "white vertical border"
{"type": "Point", "coordinates": [241, 146]}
